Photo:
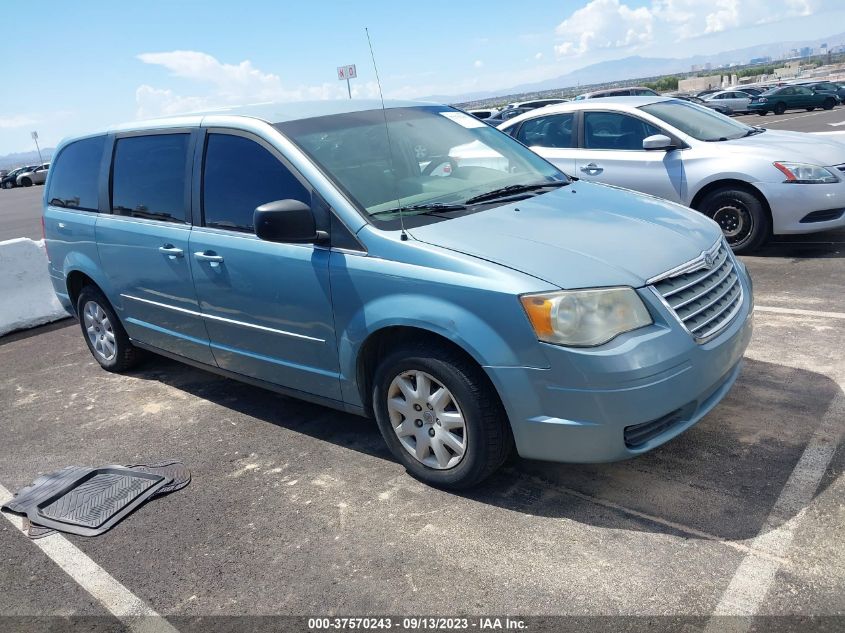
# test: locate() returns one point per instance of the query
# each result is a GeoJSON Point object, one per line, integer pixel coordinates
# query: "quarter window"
{"type": "Point", "coordinates": [612, 130]}
{"type": "Point", "coordinates": [74, 183]}
{"type": "Point", "coordinates": [149, 177]}
{"type": "Point", "coordinates": [547, 131]}
{"type": "Point", "coordinates": [240, 175]}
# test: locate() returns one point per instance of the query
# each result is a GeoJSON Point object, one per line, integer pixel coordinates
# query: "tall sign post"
{"type": "Point", "coordinates": [35, 138]}
{"type": "Point", "coordinates": [347, 73]}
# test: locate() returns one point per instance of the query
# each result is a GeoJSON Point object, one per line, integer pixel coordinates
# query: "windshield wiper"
{"type": "Point", "coordinates": [425, 206]}
{"type": "Point", "coordinates": [510, 190]}
{"type": "Point", "coordinates": [754, 130]}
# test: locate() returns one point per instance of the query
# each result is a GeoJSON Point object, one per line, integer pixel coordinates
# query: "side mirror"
{"type": "Point", "coordinates": [658, 141]}
{"type": "Point", "coordinates": [288, 221]}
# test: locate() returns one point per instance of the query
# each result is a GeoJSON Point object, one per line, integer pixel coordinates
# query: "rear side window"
{"type": "Point", "coordinates": [74, 183]}
{"type": "Point", "coordinates": [547, 131]}
{"type": "Point", "coordinates": [240, 175]}
{"type": "Point", "coordinates": [149, 176]}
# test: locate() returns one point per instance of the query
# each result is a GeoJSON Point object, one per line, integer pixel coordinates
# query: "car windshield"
{"type": "Point", "coordinates": [428, 161]}
{"type": "Point", "coordinates": [696, 121]}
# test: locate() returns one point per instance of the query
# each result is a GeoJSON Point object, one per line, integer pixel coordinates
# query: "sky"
{"type": "Point", "coordinates": [74, 67]}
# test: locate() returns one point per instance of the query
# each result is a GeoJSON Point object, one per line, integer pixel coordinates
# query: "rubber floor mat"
{"type": "Point", "coordinates": [85, 501]}
{"type": "Point", "coordinates": [177, 471]}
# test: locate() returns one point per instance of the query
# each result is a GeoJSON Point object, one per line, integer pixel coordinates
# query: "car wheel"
{"type": "Point", "coordinates": [810, 109]}
{"type": "Point", "coordinates": [780, 108]}
{"type": "Point", "coordinates": [103, 332]}
{"type": "Point", "coordinates": [26, 182]}
{"type": "Point", "coordinates": [828, 104]}
{"type": "Point", "coordinates": [762, 112]}
{"type": "Point", "coordinates": [440, 416]}
{"type": "Point", "coordinates": [741, 216]}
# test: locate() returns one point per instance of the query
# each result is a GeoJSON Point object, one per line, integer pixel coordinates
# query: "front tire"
{"type": "Point", "coordinates": [26, 182]}
{"type": "Point", "coordinates": [762, 112]}
{"type": "Point", "coordinates": [741, 216]}
{"type": "Point", "coordinates": [780, 108]}
{"type": "Point", "coordinates": [828, 104]}
{"type": "Point", "coordinates": [440, 416]}
{"type": "Point", "coordinates": [104, 334]}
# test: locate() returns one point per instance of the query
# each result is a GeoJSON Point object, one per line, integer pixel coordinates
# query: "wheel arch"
{"type": "Point", "coordinates": [730, 183]}
{"type": "Point", "coordinates": [377, 344]}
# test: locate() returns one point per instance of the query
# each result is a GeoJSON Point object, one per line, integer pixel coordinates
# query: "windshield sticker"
{"type": "Point", "coordinates": [464, 119]}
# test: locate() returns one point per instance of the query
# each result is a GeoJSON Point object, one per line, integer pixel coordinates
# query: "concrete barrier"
{"type": "Point", "coordinates": [26, 294]}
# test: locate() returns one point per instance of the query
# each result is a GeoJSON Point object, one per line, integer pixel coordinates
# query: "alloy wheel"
{"type": "Point", "coordinates": [735, 221]}
{"type": "Point", "coordinates": [427, 419]}
{"type": "Point", "coordinates": [99, 329]}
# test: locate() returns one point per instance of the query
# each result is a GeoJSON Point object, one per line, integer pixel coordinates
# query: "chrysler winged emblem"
{"type": "Point", "coordinates": [709, 260]}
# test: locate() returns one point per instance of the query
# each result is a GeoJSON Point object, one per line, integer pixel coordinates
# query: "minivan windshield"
{"type": "Point", "coordinates": [697, 121]}
{"type": "Point", "coordinates": [429, 162]}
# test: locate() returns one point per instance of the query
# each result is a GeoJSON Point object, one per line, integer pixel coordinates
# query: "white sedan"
{"type": "Point", "coordinates": [752, 181]}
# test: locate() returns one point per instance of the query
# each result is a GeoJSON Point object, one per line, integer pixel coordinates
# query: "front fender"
{"type": "Point", "coordinates": [486, 342]}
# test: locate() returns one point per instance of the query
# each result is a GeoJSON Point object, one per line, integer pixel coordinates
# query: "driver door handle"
{"type": "Point", "coordinates": [592, 169]}
{"type": "Point", "coordinates": [171, 251]}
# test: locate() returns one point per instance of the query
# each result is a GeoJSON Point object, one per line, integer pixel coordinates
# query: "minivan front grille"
{"type": "Point", "coordinates": [705, 298]}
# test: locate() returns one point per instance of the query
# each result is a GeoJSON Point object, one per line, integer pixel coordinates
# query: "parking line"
{"type": "Point", "coordinates": [755, 575]}
{"type": "Point", "coordinates": [799, 312]}
{"type": "Point", "coordinates": [133, 612]}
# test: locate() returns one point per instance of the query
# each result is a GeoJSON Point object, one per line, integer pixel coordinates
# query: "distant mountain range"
{"type": "Point", "coordinates": [636, 67]}
{"type": "Point", "coordinates": [10, 161]}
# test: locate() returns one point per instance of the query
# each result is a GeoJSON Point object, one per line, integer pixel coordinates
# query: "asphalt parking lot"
{"type": "Point", "coordinates": [297, 509]}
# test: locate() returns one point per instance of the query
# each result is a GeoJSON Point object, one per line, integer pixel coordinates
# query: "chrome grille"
{"type": "Point", "coordinates": [705, 299]}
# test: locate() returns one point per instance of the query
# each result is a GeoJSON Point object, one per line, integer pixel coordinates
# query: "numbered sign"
{"type": "Point", "coordinates": [347, 72]}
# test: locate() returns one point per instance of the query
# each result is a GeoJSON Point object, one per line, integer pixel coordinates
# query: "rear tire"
{"type": "Point", "coordinates": [741, 216]}
{"type": "Point", "coordinates": [103, 333]}
{"type": "Point", "coordinates": [828, 104]}
{"type": "Point", "coordinates": [780, 108]}
{"type": "Point", "coordinates": [762, 112]}
{"type": "Point", "coordinates": [26, 182]}
{"type": "Point", "coordinates": [399, 395]}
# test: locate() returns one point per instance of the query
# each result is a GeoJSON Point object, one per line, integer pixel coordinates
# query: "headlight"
{"type": "Point", "coordinates": [584, 318]}
{"type": "Point", "coordinates": [803, 173]}
{"type": "Point", "coordinates": [762, 100]}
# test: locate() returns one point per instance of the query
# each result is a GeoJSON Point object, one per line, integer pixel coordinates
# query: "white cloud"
{"type": "Point", "coordinates": [228, 84]}
{"type": "Point", "coordinates": [478, 63]}
{"type": "Point", "coordinates": [16, 121]}
{"type": "Point", "coordinates": [605, 24]}
{"type": "Point", "coordinates": [538, 56]}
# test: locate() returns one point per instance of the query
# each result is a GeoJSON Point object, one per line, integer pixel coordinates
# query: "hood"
{"type": "Point", "coordinates": [792, 146]}
{"type": "Point", "coordinates": [579, 236]}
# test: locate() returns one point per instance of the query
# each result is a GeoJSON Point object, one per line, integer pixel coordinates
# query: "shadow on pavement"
{"type": "Point", "coordinates": [722, 477]}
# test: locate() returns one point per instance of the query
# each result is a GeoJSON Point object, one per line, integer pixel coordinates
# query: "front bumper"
{"type": "Point", "coordinates": [791, 203]}
{"type": "Point", "coordinates": [578, 408]}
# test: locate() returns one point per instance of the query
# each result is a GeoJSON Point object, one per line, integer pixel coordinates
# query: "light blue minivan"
{"type": "Point", "coordinates": [409, 263]}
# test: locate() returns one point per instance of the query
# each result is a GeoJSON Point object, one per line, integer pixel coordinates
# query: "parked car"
{"type": "Point", "coordinates": [35, 176]}
{"type": "Point", "coordinates": [779, 100]}
{"type": "Point", "coordinates": [733, 100]}
{"type": "Point", "coordinates": [753, 182]}
{"type": "Point", "coordinates": [503, 115]}
{"type": "Point", "coordinates": [10, 180]}
{"type": "Point", "coordinates": [751, 91]}
{"type": "Point", "coordinates": [827, 87]}
{"type": "Point", "coordinates": [536, 103]}
{"type": "Point", "coordinates": [482, 114]}
{"type": "Point", "coordinates": [631, 91]}
{"type": "Point", "coordinates": [470, 312]}
{"type": "Point", "coordinates": [706, 93]}
{"type": "Point", "coordinates": [713, 105]}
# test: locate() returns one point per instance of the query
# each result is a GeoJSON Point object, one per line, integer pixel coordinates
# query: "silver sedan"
{"type": "Point", "coordinates": [752, 181]}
